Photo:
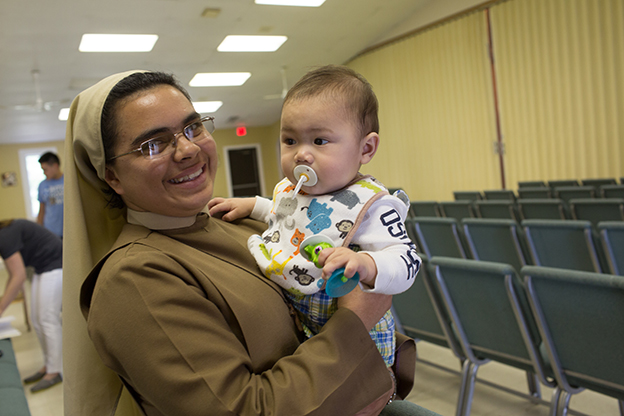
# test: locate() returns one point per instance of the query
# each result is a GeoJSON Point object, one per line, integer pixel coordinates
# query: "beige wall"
{"type": "Point", "coordinates": [267, 138]}
{"type": "Point", "coordinates": [559, 66]}
{"type": "Point", "coordinates": [431, 12]}
{"type": "Point", "coordinates": [436, 123]}
{"type": "Point", "coordinates": [12, 198]}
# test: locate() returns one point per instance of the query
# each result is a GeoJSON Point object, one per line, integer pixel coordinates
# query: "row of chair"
{"type": "Point", "coordinates": [594, 210]}
{"type": "Point", "coordinates": [571, 182]}
{"type": "Point", "coordinates": [563, 327]}
{"type": "Point", "coordinates": [569, 192]}
{"type": "Point", "coordinates": [562, 192]}
{"type": "Point", "coordinates": [568, 244]}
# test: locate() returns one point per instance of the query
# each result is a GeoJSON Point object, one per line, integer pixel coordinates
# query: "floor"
{"type": "Point", "coordinates": [29, 360]}
{"type": "Point", "coordinates": [436, 386]}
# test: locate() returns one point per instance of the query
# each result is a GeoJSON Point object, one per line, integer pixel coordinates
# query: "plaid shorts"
{"type": "Point", "coordinates": [315, 310]}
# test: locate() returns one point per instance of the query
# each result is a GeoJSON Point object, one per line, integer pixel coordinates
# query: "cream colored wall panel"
{"type": "Point", "coordinates": [559, 66]}
{"type": "Point", "coordinates": [436, 111]}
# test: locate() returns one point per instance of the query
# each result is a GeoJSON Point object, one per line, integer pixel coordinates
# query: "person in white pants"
{"type": "Point", "coordinates": [24, 244]}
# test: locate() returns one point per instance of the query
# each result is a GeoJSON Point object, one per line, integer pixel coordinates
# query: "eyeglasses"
{"type": "Point", "coordinates": [165, 143]}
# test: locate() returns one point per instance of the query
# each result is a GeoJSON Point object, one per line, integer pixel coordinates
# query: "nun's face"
{"type": "Point", "coordinates": [177, 184]}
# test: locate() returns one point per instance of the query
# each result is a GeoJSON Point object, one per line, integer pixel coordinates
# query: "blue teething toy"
{"type": "Point", "coordinates": [338, 284]}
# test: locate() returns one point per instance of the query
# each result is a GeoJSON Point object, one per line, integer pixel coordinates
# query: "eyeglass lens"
{"type": "Point", "coordinates": [165, 143]}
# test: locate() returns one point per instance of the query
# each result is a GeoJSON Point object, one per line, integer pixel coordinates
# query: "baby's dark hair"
{"type": "Point", "coordinates": [341, 82]}
{"type": "Point", "coordinates": [139, 81]}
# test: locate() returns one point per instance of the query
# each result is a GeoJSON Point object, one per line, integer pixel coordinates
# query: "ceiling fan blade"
{"type": "Point", "coordinates": [284, 82]}
{"type": "Point", "coordinates": [281, 95]}
{"type": "Point", "coordinates": [25, 107]}
{"type": "Point", "coordinates": [38, 99]}
{"type": "Point", "coordinates": [39, 105]}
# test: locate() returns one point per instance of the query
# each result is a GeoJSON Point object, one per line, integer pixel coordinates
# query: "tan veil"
{"type": "Point", "coordinates": [90, 230]}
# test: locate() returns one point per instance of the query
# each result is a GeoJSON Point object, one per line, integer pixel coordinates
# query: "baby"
{"type": "Point", "coordinates": [329, 128]}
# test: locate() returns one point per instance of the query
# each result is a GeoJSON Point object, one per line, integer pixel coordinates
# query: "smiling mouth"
{"type": "Point", "coordinates": [188, 178]}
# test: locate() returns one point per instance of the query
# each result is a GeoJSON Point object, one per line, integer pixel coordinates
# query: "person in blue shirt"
{"type": "Point", "coordinates": [51, 194]}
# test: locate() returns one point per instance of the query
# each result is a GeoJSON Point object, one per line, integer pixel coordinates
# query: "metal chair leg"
{"type": "Point", "coordinates": [534, 386]}
{"type": "Point", "coordinates": [554, 401]}
{"type": "Point", "coordinates": [466, 390]}
{"type": "Point", "coordinates": [564, 402]}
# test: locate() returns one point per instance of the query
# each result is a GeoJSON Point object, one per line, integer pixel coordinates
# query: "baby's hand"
{"type": "Point", "coordinates": [231, 209]}
{"type": "Point", "coordinates": [334, 258]}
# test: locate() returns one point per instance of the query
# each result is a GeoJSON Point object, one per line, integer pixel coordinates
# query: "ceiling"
{"type": "Point", "coordinates": [44, 35]}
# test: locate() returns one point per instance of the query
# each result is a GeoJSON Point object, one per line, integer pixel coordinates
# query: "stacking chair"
{"type": "Point", "coordinates": [538, 192]}
{"type": "Point", "coordinates": [420, 313]}
{"type": "Point", "coordinates": [424, 209]}
{"type": "Point", "coordinates": [495, 240]}
{"type": "Point", "coordinates": [542, 209]}
{"type": "Point", "coordinates": [612, 191]}
{"type": "Point", "coordinates": [391, 191]}
{"type": "Point", "coordinates": [531, 184]}
{"type": "Point", "coordinates": [498, 194]}
{"type": "Point", "coordinates": [566, 244]}
{"type": "Point", "coordinates": [598, 182]}
{"type": "Point", "coordinates": [574, 192]}
{"type": "Point", "coordinates": [406, 408]}
{"type": "Point", "coordinates": [612, 240]}
{"type": "Point", "coordinates": [496, 209]}
{"type": "Point", "coordinates": [488, 307]}
{"type": "Point", "coordinates": [410, 228]}
{"type": "Point", "coordinates": [597, 209]}
{"type": "Point", "coordinates": [457, 209]}
{"type": "Point", "coordinates": [580, 317]}
{"type": "Point", "coordinates": [565, 182]}
{"type": "Point", "coordinates": [439, 237]}
{"type": "Point", "coordinates": [469, 195]}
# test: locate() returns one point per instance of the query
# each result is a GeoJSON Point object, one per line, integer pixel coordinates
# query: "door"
{"type": "Point", "coordinates": [244, 170]}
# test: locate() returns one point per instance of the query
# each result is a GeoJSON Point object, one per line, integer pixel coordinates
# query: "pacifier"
{"type": "Point", "coordinates": [306, 176]}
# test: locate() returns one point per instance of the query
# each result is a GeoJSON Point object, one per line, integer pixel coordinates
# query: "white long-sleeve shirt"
{"type": "Point", "coordinates": [380, 234]}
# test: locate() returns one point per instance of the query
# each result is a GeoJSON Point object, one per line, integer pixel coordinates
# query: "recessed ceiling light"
{"type": "Point", "coordinates": [233, 43]}
{"type": "Point", "coordinates": [63, 114]}
{"type": "Point", "coordinates": [92, 42]}
{"type": "Point", "coordinates": [219, 79]}
{"type": "Point", "coordinates": [301, 3]}
{"type": "Point", "coordinates": [207, 106]}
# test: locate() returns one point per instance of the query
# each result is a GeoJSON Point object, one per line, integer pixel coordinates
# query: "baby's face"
{"type": "Point", "coordinates": [317, 132]}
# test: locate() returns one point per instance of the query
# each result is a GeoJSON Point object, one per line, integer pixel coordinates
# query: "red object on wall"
{"type": "Point", "coordinates": [241, 131]}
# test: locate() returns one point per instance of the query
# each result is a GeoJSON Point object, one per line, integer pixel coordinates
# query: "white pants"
{"type": "Point", "coordinates": [46, 300]}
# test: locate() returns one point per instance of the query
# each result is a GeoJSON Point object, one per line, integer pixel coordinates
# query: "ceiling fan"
{"type": "Point", "coordinates": [39, 105]}
{"type": "Point", "coordinates": [281, 95]}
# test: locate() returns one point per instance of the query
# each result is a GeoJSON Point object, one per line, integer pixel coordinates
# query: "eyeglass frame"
{"type": "Point", "coordinates": [174, 140]}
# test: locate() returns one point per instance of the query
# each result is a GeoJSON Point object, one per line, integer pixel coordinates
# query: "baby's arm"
{"type": "Point", "coordinates": [383, 237]}
{"type": "Point", "coordinates": [384, 242]}
{"type": "Point", "coordinates": [231, 208]}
